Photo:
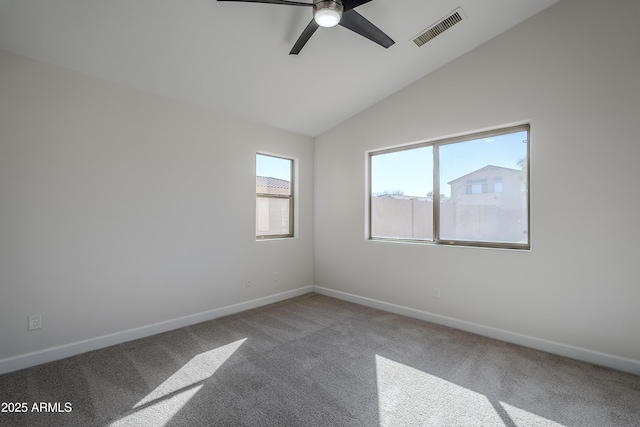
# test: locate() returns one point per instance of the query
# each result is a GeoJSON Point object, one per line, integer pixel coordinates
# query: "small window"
{"type": "Point", "coordinates": [274, 197]}
{"type": "Point", "coordinates": [497, 185]}
{"type": "Point", "coordinates": [476, 186]}
{"type": "Point", "coordinates": [471, 190]}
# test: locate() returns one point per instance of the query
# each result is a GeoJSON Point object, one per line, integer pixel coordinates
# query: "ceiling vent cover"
{"type": "Point", "coordinates": [439, 27]}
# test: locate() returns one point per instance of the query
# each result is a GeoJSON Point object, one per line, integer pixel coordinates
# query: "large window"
{"type": "Point", "coordinates": [274, 197]}
{"type": "Point", "coordinates": [471, 190]}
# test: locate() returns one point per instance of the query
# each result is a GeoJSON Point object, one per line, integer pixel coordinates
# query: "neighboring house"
{"type": "Point", "coordinates": [490, 185]}
{"type": "Point", "coordinates": [489, 204]}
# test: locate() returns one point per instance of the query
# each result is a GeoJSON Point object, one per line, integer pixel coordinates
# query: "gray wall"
{"type": "Point", "coordinates": [579, 87]}
{"type": "Point", "coordinates": [120, 209]}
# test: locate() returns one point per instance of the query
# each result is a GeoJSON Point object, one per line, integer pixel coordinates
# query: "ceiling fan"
{"type": "Point", "coordinates": [329, 13]}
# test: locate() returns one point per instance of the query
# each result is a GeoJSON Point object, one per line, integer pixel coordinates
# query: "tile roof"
{"type": "Point", "coordinates": [269, 182]}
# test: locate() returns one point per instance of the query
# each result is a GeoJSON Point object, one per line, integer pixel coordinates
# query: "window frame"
{"type": "Point", "coordinates": [290, 197]}
{"type": "Point", "coordinates": [436, 144]}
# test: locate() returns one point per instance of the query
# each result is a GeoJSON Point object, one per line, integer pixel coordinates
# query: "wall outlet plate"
{"type": "Point", "coordinates": [35, 321]}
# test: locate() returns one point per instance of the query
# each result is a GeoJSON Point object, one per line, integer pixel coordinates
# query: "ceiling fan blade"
{"type": "Point", "coordinates": [352, 4]}
{"type": "Point", "coordinates": [359, 24]}
{"type": "Point", "coordinates": [285, 2]}
{"type": "Point", "coordinates": [304, 37]}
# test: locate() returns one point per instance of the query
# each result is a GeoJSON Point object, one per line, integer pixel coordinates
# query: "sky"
{"type": "Point", "coordinates": [274, 167]}
{"type": "Point", "coordinates": [411, 171]}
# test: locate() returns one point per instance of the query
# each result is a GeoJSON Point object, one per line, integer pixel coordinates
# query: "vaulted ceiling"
{"type": "Point", "coordinates": [233, 57]}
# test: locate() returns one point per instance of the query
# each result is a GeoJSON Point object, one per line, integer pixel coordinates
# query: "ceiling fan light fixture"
{"type": "Point", "coordinates": [327, 13]}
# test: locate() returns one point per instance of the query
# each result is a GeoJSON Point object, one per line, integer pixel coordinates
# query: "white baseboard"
{"type": "Point", "coordinates": [60, 352]}
{"type": "Point", "coordinates": [602, 359]}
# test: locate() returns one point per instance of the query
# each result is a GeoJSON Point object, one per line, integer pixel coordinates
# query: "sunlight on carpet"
{"type": "Point", "coordinates": [521, 417]}
{"type": "Point", "coordinates": [169, 397]}
{"type": "Point", "coordinates": [158, 413]}
{"type": "Point", "coordinates": [409, 396]}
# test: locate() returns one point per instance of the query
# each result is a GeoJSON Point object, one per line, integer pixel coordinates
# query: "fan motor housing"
{"type": "Point", "coordinates": [328, 4]}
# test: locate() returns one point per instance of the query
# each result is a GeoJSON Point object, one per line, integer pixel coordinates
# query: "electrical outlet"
{"type": "Point", "coordinates": [274, 278]}
{"type": "Point", "coordinates": [35, 321]}
{"type": "Point", "coordinates": [247, 282]}
{"type": "Point", "coordinates": [436, 293]}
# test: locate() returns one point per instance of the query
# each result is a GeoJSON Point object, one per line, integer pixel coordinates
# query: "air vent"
{"type": "Point", "coordinates": [439, 27]}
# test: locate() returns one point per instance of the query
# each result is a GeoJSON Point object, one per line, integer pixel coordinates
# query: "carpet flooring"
{"type": "Point", "coordinates": [318, 361]}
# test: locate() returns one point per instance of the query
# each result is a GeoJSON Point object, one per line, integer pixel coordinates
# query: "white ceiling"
{"type": "Point", "coordinates": [233, 57]}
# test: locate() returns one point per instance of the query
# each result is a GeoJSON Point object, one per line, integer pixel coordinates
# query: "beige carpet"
{"type": "Point", "coordinates": [318, 361]}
